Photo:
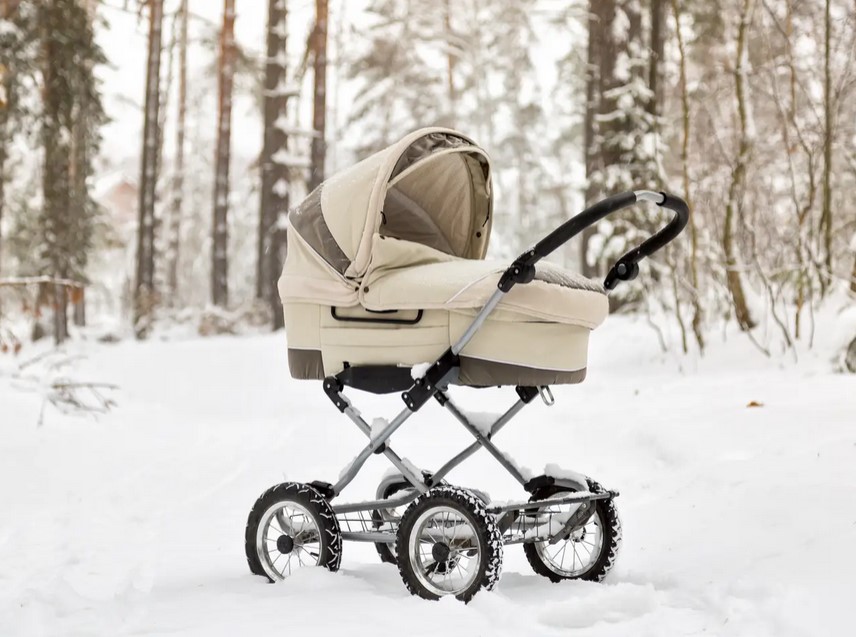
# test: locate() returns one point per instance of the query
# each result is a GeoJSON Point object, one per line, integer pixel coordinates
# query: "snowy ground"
{"type": "Point", "coordinates": [738, 520]}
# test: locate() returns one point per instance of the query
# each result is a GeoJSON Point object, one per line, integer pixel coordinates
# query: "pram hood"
{"type": "Point", "coordinates": [432, 188]}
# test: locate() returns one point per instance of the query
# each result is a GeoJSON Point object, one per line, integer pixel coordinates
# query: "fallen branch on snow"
{"type": "Point", "coordinates": [77, 398]}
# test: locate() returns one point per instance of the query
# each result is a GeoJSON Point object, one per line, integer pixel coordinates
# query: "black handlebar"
{"type": "Point", "coordinates": [522, 270]}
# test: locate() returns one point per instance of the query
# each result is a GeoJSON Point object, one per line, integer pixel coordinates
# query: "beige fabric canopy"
{"type": "Point", "coordinates": [432, 187]}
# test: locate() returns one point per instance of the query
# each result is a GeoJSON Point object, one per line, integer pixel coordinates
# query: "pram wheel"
{"type": "Point", "coordinates": [448, 544]}
{"type": "Point", "coordinates": [589, 552]}
{"type": "Point", "coordinates": [291, 526]}
{"type": "Point", "coordinates": [380, 517]}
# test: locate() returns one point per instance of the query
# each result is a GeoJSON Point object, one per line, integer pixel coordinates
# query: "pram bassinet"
{"type": "Point", "coordinates": [386, 267]}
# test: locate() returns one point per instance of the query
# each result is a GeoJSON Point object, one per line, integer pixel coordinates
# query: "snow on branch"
{"type": "Point", "coordinates": [48, 375]}
{"type": "Point", "coordinates": [284, 158]}
{"type": "Point", "coordinates": [284, 89]}
{"type": "Point", "coordinates": [78, 398]}
{"type": "Point", "coordinates": [34, 280]}
{"type": "Point", "coordinates": [282, 124]}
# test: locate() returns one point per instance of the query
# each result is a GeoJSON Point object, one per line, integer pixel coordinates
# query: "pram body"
{"type": "Point", "coordinates": [386, 289]}
{"type": "Point", "coordinates": [399, 278]}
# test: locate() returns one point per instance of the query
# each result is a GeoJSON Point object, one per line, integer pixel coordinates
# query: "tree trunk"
{"type": "Point", "coordinates": [601, 14]}
{"type": "Point", "coordinates": [656, 57]}
{"type": "Point", "coordinates": [826, 206]}
{"type": "Point", "coordinates": [654, 108]}
{"type": "Point", "coordinates": [853, 276]}
{"type": "Point", "coordinates": [853, 273]}
{"type": "Point", "coordinates": [9, 105]}
{"type": "Point", "coordinates": [220, 227]}
{"type": "Point", "coordinates": [56, 167]}
{"type": "Point", "coordinates": [79, 307]}
{"type": "Point", "coordinates": [144, 283]}
{"type": "Point", "coordinates": [5, 94]}
{"type": "Point", "coordinates": [685, 176]}
{"type": "Point", "coordinates": [69, 116]}
{"type": "Point", "coordinates": [609, 166]}
{"type": "Point", "coordinates": [450, 59]}
{"type": "Point", "coordinates": [275, 175]}
{"type": "Point", "coordinates": [2, 178]}
{"type": "Point", "coordinates": [735, 192]}
{"type": "Point", "coordinates": [177, 205]}
{"type": "Point", "coordinates": [60, 313]}
{"type": "Point", "coordinates": [8, 7]}
{"type": "Point", "coordinates": [319, 95]}
{"type": "Point", "coordinates": [55, 178]}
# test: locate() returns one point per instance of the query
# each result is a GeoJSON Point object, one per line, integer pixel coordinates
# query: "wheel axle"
{"type": "Point", "coordinates": [440, 552]}
{"type": "Point", "coordinates": [285, 544]}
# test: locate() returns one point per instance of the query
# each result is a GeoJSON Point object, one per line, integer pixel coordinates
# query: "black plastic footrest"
{"type": "Point", "coordinates": [539, 482]}
{"type": "Point", "coordinates": [377, 379]}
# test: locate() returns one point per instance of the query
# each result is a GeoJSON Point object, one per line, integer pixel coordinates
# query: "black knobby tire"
{"type": "Point", "coordinates": [330, 550]}
{"type": "Point", "coordinates": [489, 566]}
{"type": "Point", "coordinates": [610, 525]}
{"type": "Point", "coordinates": [385, 550]}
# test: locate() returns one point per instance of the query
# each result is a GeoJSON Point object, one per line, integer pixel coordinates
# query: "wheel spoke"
{"type": "Point", "coordinates": [578, 557]}
{"type": "Point", "coordinates": [458, 566]}
{"type": "Point", "coordinates": [280, 519]}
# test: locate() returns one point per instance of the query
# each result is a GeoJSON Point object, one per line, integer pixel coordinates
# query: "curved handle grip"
{"type": "Point", "coordinates": [522, 270]}
{"type": "Point", "coordinates": [627, 267]}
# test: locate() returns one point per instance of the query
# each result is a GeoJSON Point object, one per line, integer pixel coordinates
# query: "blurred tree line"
{"type": "Point", "coordinates": [745, 107]}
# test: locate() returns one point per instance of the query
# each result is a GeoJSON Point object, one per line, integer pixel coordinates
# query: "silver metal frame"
{"type": "Point", "coordinates": [420, 484]}
{"type": "Point", "coordinates": [478, 321]}
{"type": "Point", "coordinates": [378, 441]}
{"type": "Point", "coordinates": [420, 480]}
{"type": "Point", "coordinates": [650, 195]}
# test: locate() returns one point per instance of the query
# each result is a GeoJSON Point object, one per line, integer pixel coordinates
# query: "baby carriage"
{"type": "Point", "coordinates": [386, 289]}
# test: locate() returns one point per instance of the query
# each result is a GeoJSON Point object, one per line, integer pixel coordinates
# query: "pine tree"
{"type": "Point", "coordinates": [144, 283]}
{"type": "Point", "coordinates": [622, 144]}
{"type": "Point", "coordinates": [400, 90]}
{"type": "Point", "coordinates": [696, 321]}
{"type": "Point", "coordinates": [17, 65]}
{"type": "Point", "coordinates": [176, 213]}
{"type": "Point", "coordinates": [657, 14]}
{"type": "Point", "coordinates": [520, 145]}
{"type": "Point", "coordinates": [465, 65]}
{"type": "Point", "coordinates": [570, 120]}
{"type": "Point", "coordinates": [595, 42]}
{"type": "Point", "coordinates": [275, 185]}
{"type": "Point", "coordinates": [828, 134]}
{"type": "Point", "coordinates": [69, 132]}
{"type": "Point", "coordinates": [319, 94]}
{"type": "Point", "coordinates": [220, 226]}
{"type": "Point", "coordinates": [734, 203]}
